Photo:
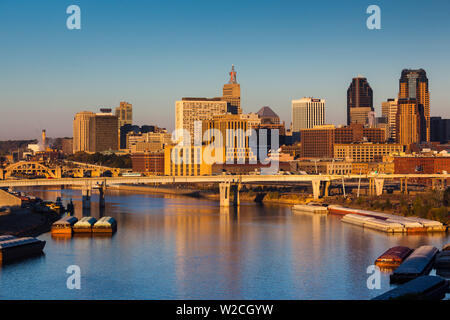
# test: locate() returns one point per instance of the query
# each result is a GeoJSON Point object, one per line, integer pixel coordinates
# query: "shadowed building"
{"type": "Point", "coordinates": [95, 132]}
{"type": "Point", "coordinates": [359, 101]}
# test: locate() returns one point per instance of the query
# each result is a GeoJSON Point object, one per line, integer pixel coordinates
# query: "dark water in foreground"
{"type": "Point", "coordinates": [182, 248]}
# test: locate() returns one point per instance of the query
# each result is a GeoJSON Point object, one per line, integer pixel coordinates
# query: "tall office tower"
{"type": "Point", "coordinates": [82, 131]}
{"type": "Point", "coordinates": [189, 110]}
{"type": "Point", "coordinates": [95, 132]}
{"type": "Point", "coordinates": [414, 86]}
{"type": "Point", "coordinates": [105, 131]}
{"type": "Point", "coordinates": [408, 122]}
{"type": "Point", "coordinates": [359, 101]}
{"type": "Point", "coordinates": [124, 113]}
{"type": "Point", "coordinates": [232, 93]}
{"type": "Point", "coordinates": [389, 112]}
{"type": "Point", "coordinates": [307, 113]}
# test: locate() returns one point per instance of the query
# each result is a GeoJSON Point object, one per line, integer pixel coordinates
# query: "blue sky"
{"type": "Point", "coordinates": [152, 53]}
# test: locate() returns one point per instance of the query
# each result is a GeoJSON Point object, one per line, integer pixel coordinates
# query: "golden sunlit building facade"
{"type": "Point", "coordinates": [186, 161]}
{"type": "Point", "coordinates": [235, 139]}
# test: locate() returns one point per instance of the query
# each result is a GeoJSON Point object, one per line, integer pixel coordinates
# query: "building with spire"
{"type": "Point", "coordinates": [359, 101]}
{"type": "Point", "coordinates": [232, 93]}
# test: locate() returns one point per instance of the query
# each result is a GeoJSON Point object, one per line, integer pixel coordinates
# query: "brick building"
{"type": "Point", "coordinates": [151, 162]}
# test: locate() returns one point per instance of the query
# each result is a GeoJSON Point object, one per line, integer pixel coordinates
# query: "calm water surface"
{"type": "Point", "coordinates": [183, 248]}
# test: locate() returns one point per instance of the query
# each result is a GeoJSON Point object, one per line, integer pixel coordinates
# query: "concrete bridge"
{"type": "Point", "coordinates": [228, 183]}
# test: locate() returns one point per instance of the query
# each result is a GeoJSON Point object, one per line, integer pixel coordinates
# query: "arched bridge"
{"type": "Point", "coordinates": [30, 168]}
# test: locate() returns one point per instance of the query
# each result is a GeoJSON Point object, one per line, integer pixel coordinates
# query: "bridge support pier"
{"type": "Point", "coordinates": [224, 189]}
{"type": "Point", "coordinates": [236, 200]}
{"type": "Point", "coordinates": [86, 193]}
{"type": "Point", "coordinates": [2, 174]}
{"type": "Point", "coordinates": [327, 188]}
{"type": "Point", "coordinates": [316, 188]}
{"type": "Point", "coordinates": [379, 183]}
{"type": "Point", "coordinates": [101, 196]}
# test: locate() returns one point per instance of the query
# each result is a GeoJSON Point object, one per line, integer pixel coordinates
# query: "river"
{"type": "Point", "coordinates": [170, 247]}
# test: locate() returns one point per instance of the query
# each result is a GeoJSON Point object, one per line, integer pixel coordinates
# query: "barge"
{"type": "Point", "coordinates": [442, 262]}
{"type": "Point", "coordinates": [13, 248]}
{"type": "Point", "coordinates": [373, 223]}
{"type": "Point", "coordinates": [105, 225]}
{"type": "Point", "coordinates": [393, 257]}
{"type": "Point", "coordinates": [421, 288]}
{"type": "Point", "coordinates": [419, 263]}
{"type": "Point", "coordinates": [409, 224]}
{"type": "Point", "coordinates": [310, 208]}
{"type": "Point", "coordinates": [84, 225]}
{"type": "Point", "coordinates": [64, 226]}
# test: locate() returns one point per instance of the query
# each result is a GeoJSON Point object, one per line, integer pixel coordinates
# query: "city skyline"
{"type": "Point", "coordinates": [89, 70]}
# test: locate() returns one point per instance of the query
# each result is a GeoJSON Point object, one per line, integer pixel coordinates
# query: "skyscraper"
{"type": "Point", "coordinates": [95, 132]}
{"type": "Point", "coordinates": [82, 131]}
{"type": "Point", "coordinates": [407, 122]}
{"type": "Point", "coordinates": [307, 113]}
{"type": "Point", "coordinates": [232, 93]}
{"type": "Point", "coordinates": [124, 113]}
{"type": "Point", "coordinates": [189, 110]}
{"type": "Point", "coordinates": [414, 87]}
{"type": "Point", "coordinates": [359, 101]}
{"type": "Point", "coordinates": [389, 112]}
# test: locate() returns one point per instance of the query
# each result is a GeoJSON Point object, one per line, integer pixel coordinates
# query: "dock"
{"type": "Point", "coordinates": [419, 263]}
{"type": "Point", "coordinates": [421, 288]}
{"type": "Point", "coordinates": [310, 208]}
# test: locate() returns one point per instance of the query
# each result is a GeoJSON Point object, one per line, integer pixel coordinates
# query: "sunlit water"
{"type": "Point", "coordinates": [184, 248]}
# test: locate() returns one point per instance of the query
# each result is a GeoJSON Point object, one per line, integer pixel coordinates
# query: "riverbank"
{"type": "Point", "coordinates": [26, 223]}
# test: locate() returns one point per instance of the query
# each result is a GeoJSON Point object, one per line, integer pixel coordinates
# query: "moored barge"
{"type": "Point", "coordinates": [310, 208]}
{"type": "Point", "coordinates": [64, 225]}
{"type": "Point", "coordinates": [13, 248]}
{"type": "Point", "coordinates": [84, 225]}
{"type": "Point", "coordinates": [382, 220]}
{"type": "Point", "coordinates": [442, 263]}
{"type": "Point", "coordinates": [393, 257]}
{"type": "Point", "coordinates": [105, 225]}
{"type": "Point", "coordinates": [421, 288]}
{"type": "Point", "coordinates": [417, 264]}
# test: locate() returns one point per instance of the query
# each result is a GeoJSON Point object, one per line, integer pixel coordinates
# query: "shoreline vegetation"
{"type": "Point", "coordinates": [25, 222]}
